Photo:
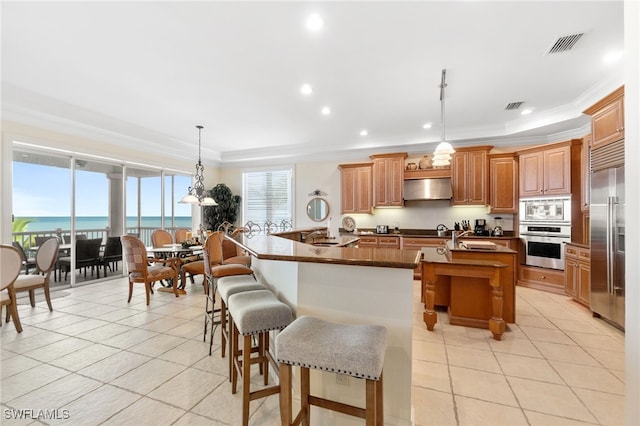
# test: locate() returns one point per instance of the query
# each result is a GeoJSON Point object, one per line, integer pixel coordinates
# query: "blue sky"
{"type": "Point", "coordinates": [46, 191]}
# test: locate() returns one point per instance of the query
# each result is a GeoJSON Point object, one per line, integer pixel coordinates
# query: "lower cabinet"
{"type": "Point", "coordinates": [577, 273]}
{"type": "Point", "coordinates": [550, 280]}
{"type": "Point", "coordinates": [379, 241]}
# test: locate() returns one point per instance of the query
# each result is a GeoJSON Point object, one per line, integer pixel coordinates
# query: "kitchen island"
{"type": "Point", "coordinates": [346, 285]}
{"type": "Point", "coordinates": [477, 285]}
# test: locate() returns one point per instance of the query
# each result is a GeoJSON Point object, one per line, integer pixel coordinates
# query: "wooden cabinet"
{"type": "Point", "coordinates": [469, 176]}
{"type": "Point", "coordinates": [503, 183]}
{"type": "Point", "coordinates": [355, 188]}
{"type": "Point", "coordinates": [607, 119]}
{"type": "Point", "coordinates": [388, 179]}
{"type": "Point", "coordinates": [577, 273]}
{"type": "Point", "coordinates": [550, 280]}
{"type": "Point", "coordinates": [379, 241]}
{"type": "Point", "coordinates": [585, 173]}
{"type": "Point", "coordinates": [545, 172]}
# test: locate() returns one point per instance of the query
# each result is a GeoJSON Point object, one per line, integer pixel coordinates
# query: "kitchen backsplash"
{"type": "Point", "coordinates": [427, 215]}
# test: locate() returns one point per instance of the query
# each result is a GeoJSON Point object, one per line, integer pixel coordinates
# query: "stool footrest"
{"type": "Point", "coordinates": [264, 392]}
{"type": "Point", "coordinates": [337, 406]}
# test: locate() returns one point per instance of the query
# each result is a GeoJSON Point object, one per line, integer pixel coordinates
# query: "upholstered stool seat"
{"type": "Point", "coordinates": [354, 350]}
{"type": "Point", "coordinates": [254, 313]}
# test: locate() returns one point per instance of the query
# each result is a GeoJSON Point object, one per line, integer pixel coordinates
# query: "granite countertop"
{"type": "Point", "coordinates": [272, 247]}
{"type": "Point", "coordinates": [443, 255]}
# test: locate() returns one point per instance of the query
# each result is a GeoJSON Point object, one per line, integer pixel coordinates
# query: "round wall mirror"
{"type": "Point", "coordinates": [318, 209]}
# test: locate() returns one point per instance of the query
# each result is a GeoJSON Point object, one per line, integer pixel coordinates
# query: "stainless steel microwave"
{"type": "Point", "coordinates": [555, 210]}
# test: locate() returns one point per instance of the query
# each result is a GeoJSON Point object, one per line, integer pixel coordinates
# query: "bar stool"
{"type": "Point", "coordinates": [254, 314]}
{"type": "Point", "coordinates": [212, 276]}
{"type": "Point", "coordinates": [354, 350]}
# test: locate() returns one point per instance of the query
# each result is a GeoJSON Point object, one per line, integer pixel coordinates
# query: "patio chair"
{"type": "Point", "coordinates": [160, 237]}
{"type": "Point", "coordinates": [45, 261]}
{"type": "Point", "coordinates": [11, 261]}
{"type": "Point", "coordinates": [27, 262]}
{"type": "Point", "coordinates": [87, 256]}
{"type": "Point", "coordinates": [112, 254]}
{"type": "Point", "coordinates": [135, 256]}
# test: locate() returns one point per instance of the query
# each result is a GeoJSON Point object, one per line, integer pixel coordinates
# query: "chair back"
{"type": "Point", "coordinates": [20, 249]}
{"type": "Point", "coordinates": [135, 255]}
{"type": "Point", "coordinates": [181, 235]}
{"type": "Point", "coordinates": [47, 254]}
{"type": "Point", "coordinates": [113, 249]}
{"type": "Point", "coordinates": [212, 253]}
{"type": "Point", "coordinates": [160, 237]}
{"type": "Point", "coordinates": [10, 265]}
{"type": "Point", "coordinates": [88, 249]}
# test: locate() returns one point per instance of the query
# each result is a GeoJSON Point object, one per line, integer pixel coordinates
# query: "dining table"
{"type": "Point", "coordinates": [179, 251]}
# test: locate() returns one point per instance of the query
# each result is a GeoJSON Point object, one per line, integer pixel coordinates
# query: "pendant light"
{"type": "Point", "coordinates": [196, 194]}
{"type": "Point", "coordinates": [442, 154]}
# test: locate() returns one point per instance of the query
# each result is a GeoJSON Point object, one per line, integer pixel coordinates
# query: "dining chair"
{"type": "Point", "coordinates": [213, 248]}
{"type": "Point", "coordinates": [87, 256]}
{"type": "Point", "coordinates": [160, 237]}
{"type": "Point", "coordinates": [112, 254]}
{"type": "Point", "coordinates": [139, 270]}
{"type": "Point", "coordinates": [45, 261]}
{"type": "Point", "coordinates": [181, 235]}
{"type": "Point", "coordinates": [232, 253]}
{"type": "Point", "coordinates": [11, 262]}
{"type": "Point", "coordinates": [27, 262]}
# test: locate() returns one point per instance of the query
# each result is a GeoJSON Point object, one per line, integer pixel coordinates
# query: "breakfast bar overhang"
{"type": "Point", "coordinates": [353, 286]}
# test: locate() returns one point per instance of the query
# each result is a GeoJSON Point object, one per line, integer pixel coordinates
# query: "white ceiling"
{"type": "Point", "coordinates": [148, 72]}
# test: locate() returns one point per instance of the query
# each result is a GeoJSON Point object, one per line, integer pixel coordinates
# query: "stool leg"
{"type": "Point", "coordinates": [246, 379]}
{"type": "Point", "coordinates": [223, 326]}
{"type": "Point", "coordinates": [233, 354]}
{"type": "Point", "coordinates": [305, 391]}
{"type": "Point", "coordinates": [263, 347]}
{"type": "Point", "coordinates": [371, 404]}
{"type": "Point", "coordinates": [285, 394]}
{"type": "Point", "coordinates": [379, 403]}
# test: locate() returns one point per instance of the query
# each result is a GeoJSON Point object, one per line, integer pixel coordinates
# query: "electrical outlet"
{"type": "Point", "coordinates": [342, 379]}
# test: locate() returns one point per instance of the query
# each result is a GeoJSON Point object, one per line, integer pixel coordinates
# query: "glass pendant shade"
{"type": "Point", "coordinates": [442, 154]}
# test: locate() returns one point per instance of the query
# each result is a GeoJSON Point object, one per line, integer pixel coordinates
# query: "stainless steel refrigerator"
{"type": "Point", "coordinates": [607, 235]}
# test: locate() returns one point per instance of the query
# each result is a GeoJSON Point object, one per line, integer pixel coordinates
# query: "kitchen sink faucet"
{"type": "Point", "coordinates": [455, 236]}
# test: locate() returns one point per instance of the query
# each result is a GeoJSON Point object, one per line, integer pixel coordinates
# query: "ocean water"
{"type": "Point", "coordinates": [51, 223]}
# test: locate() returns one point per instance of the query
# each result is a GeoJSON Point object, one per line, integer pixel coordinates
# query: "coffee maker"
{"type": "Point", "coordinates": [481, 227]}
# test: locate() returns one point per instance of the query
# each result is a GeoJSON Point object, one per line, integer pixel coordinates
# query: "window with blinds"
{"type": "Point", "coordinates": [267, 196]}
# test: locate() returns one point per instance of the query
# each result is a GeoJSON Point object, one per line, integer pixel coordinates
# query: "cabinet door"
{"type": "Point", "coordinates": [379, 182]}
{"type": "Point", "coordinates": [503, 187]}
{"type": "Point", "coordinates": [584, 283]}
{"type": "Point", "coordinates": [531, 174]}
{"type": "Point", "coordinates": [348, 190]}
{"type": "Point", "coordinates": [477, 178]}
{"type": "Point", "coordinates": [607, 124]}
{"type": "Point", "coordinates": [368, 241]}
{"type": "Point", "coordinates": [570, 276]}
{"type": "Point", "coordinates": [459, 167]}
{"type": "Point", "coordinates": [363, 201]}
{"type": "Point", "coordinates": [557, 171]}
{"type": "Point", "coordinates": [389, 242]}
{"type": "Point", "coordinates": [388, 181]}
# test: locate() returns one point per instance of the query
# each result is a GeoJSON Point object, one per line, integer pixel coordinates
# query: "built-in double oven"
{"type": "Point", "coordinates": [545, 225]}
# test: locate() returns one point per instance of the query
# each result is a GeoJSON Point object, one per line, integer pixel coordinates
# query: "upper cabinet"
{"type": "Point", "coordinates": [469, 176]}
{"type": "Point", "coordinates": [503, 183]}
{"type": "Point", "coordinates": [585, 175]}
{"type": "Point", "coordinates": [545, 172]}
{"type": "Point", "coordinates": [607, 119]}
{"type": "Point", "coordinates": [388, 179]}
{"type": "Point", "coordinates": [356, 183]}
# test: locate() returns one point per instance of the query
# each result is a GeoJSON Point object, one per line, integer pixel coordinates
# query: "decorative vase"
{"type": "Point", "coordinates": [412, 166]}
{"type": "Point", "coordinates": [425, 162]}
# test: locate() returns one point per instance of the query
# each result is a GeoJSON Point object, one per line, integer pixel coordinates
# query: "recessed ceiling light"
{"type": "Point", "coordinates": [612, 57]}
{"type": "Point", "coordinates": [526, 111]}
{"type": "Point", "coordinates": [426, 126]}
{"type": "Point", "coordinates": [325, 110]}
{"type": "Point", "coordinates": [364, 132]}
{"type": "Point", "coordinates": [306, 89]}
{"type": "Point", "coordinates": [314, 22]}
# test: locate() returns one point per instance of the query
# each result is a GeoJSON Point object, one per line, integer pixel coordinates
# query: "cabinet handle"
{"type": "Point", "coordinates": [543, 277]}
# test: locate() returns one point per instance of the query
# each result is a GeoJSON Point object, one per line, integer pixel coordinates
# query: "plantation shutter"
{"type": "Point", "coordinates": [267, 196]}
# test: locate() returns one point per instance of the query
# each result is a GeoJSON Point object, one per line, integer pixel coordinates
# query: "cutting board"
{"type": "Point", "coordinates": [479, 245]}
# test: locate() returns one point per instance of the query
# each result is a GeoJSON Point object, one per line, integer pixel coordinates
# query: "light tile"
{"type": "Point", "coordinates": [482, 385]}
{"type": "Point", "coordinates": [148, 376]}
{"type": "Point", "coordinates": [129, 338]}
{"type": "Point", "coordinates": [114, 366]}
{"type": "Point", "coordinates": [16, 364]}
{"type": "Point", "coordinates": [587, 377]}
{"type": "Point", "coordinates": [548, 398]}
{"type": "Point", "coordinates": [474, 412]}
{"type": "Point", "coordinates": [190, 419]}
{"type": "Point", "coordinates": [472, 358]}
{"type": "Point", "coordinates": [546, 335]}
{"type": "Point", "coordinates": [57, 349]}
{"type": "Point", "coordinates": [188, 353]}
{"type": "Point", "coordinates": [221, 396]}
{"type": "Point", "coordinates": [528, 368]}
{"type": "Point", "coordinates": [96, 407]}
{"type": "Point", "coordinates": [100, 334]}
{"type": "Point", "coordinates": [431, 375]}
{"type": "Point", "coordinates": [568, 353]}
{"type": "Point", "coordinates": [157, 345]}
{"type": "Point", "coordinates": [29, 380]}
{"type": "Point", "coordinates": [607, 407]}
{"type": "Point", "coordinates": [429, 351]}
{"type": "Point", "coordinates": [542, 419]}
{"type": "Point", "coordinates": [84, 357]}
{"type": "Point", "coordinates": [59, 393]}
{"type": "Point", "coordinates": [613, 360]}
{"type": "Point", "coordinates": [433, 407]}
{"type": "Point", "coordinates": [522, 347]}
{"type": "Point", "coordinates": [188, 388]}
{"type": "Point", "coordinates": [596, 341]}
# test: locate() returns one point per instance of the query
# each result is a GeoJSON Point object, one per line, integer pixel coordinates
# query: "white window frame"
{"type": "Point", "coordinates": [245, 197]}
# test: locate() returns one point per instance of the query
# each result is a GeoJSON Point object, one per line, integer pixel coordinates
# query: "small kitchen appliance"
{"type": "Point", "coordinates": [497, 230]}
{"type": "Point", "coordinates": [481, 227]}
{"type": "Point", "coordinates": [382, 229]}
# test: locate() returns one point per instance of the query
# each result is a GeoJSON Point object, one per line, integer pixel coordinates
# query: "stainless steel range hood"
{"type": "Point", "coordinates": [428, 189]}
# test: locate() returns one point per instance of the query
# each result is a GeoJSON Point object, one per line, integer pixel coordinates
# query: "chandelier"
{"type": "Point", "coordinates": [442, 154]}
{"type": "Point", "coordinates": [196, 194]}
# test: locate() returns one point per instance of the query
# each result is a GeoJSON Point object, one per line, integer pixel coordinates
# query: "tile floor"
{"type": "Point", "coordinates": [98, 360]}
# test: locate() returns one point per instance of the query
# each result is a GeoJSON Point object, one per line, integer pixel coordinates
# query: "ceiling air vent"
{"type": "Point", "coordinates": [565, 43]}
{"type": "Point", "coordinates": [513, 105]}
